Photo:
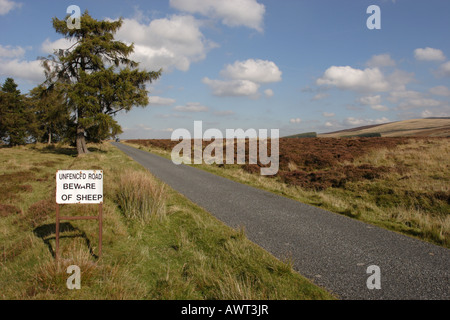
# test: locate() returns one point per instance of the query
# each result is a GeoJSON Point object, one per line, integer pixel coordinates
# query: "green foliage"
{"type": "Point", "coordinates": [17, 121]}
{"type": "Point", "coordinates": [52, 116]}
{"type": "Point", "coordinates": [97, 77]}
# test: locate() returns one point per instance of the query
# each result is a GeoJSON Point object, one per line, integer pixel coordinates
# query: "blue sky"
{"type": "Point", "coordinates": [292, 65]}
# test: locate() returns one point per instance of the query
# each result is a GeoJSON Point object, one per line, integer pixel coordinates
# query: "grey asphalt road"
{"type": "Point", "coordinates": [332, 250]}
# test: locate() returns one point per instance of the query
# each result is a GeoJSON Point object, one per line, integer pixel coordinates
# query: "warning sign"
{"type": "Point", "coordinates": [75, 186]}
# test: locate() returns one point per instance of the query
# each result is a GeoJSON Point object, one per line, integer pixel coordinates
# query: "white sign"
{"type": "Point", "coordinates": [75, 186]}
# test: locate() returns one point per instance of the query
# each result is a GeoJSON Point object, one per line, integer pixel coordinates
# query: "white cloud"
{"type": "Point", "coordinates": [11, 52]}
{"type": "Point", "coordinates": [419, 103]}
{"type": "Point", "coordinates": [7, 5]}
{"type": "Point", "coordinates": [440, 91]}
{"type": "Point", "coordinates": [328, 114]}
{"type": "Point", "coordinates": [382, 60]}
{"type": "Point", "coordinates": [269, 93]}
{"type": "Point", "coordinates": [348, 78]}
{"type": "Point", "coordinates": [160, 101]}
{"type": "Point", "coordinates": [259, 71]}
{"type": "Point", "coordinates": [370, 100]}
{"type": "Point", "coordinates": [433, 113]}
{"type": "Point", "coordinates": [49, 47]}
{"type": "Point", "coordinates": [192, 107]}
{"type": "Point", "coordinates": [27, 70]}
{"type": "Point", "coordinates": [243, 78]}
{"type": "Point", "coordinates": [395, 96]}
{"type": "Point", "coordinates": [399, 79]}
{"type": "Point", "coordinates": [295, 120]}
{"type": "Point", "coordinates": [232, 87]}
{"type": "Point", "coordinates": [173, 42]}
{"type": "Point", "coordinates": [350, 121]}
{"type": "Point", "coordinates": [233, 13]}
{"type": "Point", "coordinates": [429, 54]}
{"type": "Point", "coordinates": [328, 124]}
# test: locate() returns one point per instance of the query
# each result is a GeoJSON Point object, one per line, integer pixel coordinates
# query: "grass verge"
{"type": "Point", "coordinates": [168, 248]}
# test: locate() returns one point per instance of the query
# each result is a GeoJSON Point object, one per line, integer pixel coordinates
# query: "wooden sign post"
{"type": "Point", "coordinates": [79, 187]}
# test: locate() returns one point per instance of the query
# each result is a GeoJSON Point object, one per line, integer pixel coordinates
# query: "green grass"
{"type": "Point", "coordinates": [179, 251]}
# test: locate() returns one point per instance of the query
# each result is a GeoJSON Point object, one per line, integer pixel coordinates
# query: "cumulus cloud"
{"type": "Point", "coordinates": [348, 78]}
{"type": "Point", "coordinates": [244, 78]}
{"type": "Point", "coordinates": [429, 54]}
{"type": "Point", "coordinates": [295, 120]}
{"type": "Point", "coordinates": [370, 100]}
{"type": "Point", "coordinates": [192, 107]}
{"type": "Point", "coordinates": [259, 71]}
{"type": "Point", "coordinates": [419, 103]}
{"type": "Point", "coordinates": [374, 102]}
{"type": "Point", "coordinates": [232, 87]}
{"type": "Point", "coordinates": [168, 43]}
{"type": "Point", "coordinates": [13, 65]}
{"type": "Point", "coordinates": [7, 5]}
{"type": "Point", "coordinates": [382, 60]}
{"type": "Point", "coordinates": [160, 101]}
{"type": "Point", "coordinates": [22, 69]}
{"type": "Point", "coordinates": [11, 52]}
{"type": "Point", "coordinates": [49, 47]}
{"type": "Point", "coordinates": [233, 13]}
{"type": "Point", "coordinates": [395, 96]}
{"type": "Point", "coordinates": [351, 121]}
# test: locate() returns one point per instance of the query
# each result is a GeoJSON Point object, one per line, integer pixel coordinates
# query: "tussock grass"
{"type": "Point", "coordinates": [141, 198]}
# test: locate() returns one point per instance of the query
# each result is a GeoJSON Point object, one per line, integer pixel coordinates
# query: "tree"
{"type": "Point", "coordinates": [97, 77]}
{"type": "Point", "coordinates": [52, 116]}
{"type": "Point", "coordinates": [16, 118]}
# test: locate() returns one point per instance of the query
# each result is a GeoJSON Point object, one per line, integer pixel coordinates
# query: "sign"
{"type": "Point", "coordinates": [75, 186]}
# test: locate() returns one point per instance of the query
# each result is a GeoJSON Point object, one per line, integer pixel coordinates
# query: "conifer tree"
{"type": "Point", "coordinates": [97, 77]}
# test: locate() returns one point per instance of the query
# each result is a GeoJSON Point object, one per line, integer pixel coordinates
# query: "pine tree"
{"type": "Point", "coordinates": [97, 77]}
{"type": "Point", "coordinates": [52, 115]}
{"type": "Point", "coordinates": [16, 118]}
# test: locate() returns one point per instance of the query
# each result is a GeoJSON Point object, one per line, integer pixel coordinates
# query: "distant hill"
{"type": "Point", "coordinates": [304, 135]}
{"type": "Point", "coordinates": [429, 127]}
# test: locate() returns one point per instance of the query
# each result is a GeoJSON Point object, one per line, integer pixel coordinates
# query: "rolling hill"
{"type": "Point", "coordinates": [428, 127]}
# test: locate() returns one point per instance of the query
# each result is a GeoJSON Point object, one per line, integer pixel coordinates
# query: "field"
{"type": "Point", "coordinates": [156, 244]}
{"type": "Point", "coordinates": [398, 183]}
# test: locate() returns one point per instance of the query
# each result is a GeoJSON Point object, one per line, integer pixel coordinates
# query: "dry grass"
{"type": "Point", "coordinates": [141, 198]}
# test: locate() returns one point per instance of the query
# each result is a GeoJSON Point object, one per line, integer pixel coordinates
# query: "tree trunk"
{"type": "Point", "coordinates": [81, 141]}
{"type": "Point", "coordinates": [49, 137]}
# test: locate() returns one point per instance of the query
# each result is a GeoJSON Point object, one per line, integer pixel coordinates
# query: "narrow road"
{"type": "Point", "coordinates": [332, 250]}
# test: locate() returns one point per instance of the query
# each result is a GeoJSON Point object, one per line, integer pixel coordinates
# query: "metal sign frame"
{"type": "Point", "coordinates": [99, 218]}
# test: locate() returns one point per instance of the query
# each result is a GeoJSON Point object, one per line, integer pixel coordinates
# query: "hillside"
{"type": "Point", "coordinates": [430, 127]}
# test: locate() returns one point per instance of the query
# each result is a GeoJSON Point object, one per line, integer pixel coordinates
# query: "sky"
{"type": "Point", "coordinates": [293, 65]}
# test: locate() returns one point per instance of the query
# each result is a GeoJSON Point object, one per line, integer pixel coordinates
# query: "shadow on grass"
{"type": "Point", "coordinates": [47, 232]}
{"type": "Point", "coordinates": [59, 150]}
{"type": "Point", "coordinates": [68, 151]}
